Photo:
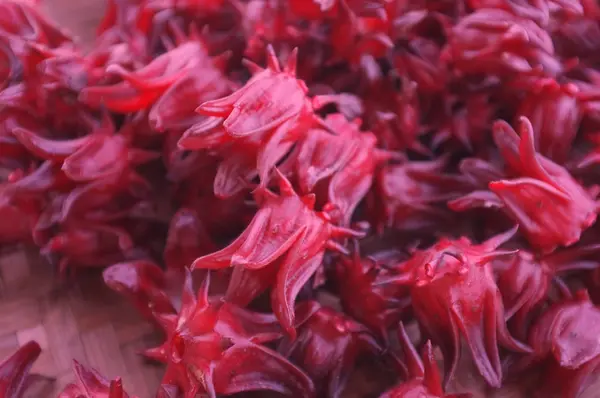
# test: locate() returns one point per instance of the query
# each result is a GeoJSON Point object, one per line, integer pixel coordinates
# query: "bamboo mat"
{"type": "Point", "coordinates": [78, 319]}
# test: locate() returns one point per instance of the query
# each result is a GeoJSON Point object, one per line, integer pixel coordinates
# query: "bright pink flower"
{"type": "Point", "coordinates": [454, 294]}
{"type": "Point", "coordinates": [551, 208]}
{"type": "Point", "coordinates": [327, 346]}
{"type": "Point", "coordinates": [282, 247]}
{"type": "Point", "coordinates": [215, 348]}
{"type": "Point", "coordinates": [193, 7]}
{"type": "Point", "coordinates": [255, 127]}
{"type": "Point", "coordinates": [271, 99]}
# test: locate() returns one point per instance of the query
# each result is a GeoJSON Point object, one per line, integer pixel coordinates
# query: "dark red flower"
{"type": "Point", "coordinates": [565, 338]}
{"type": "Point", "coordinates": [19, 214]}
{"type": "Point", "coordinates": [21, 20]}
{"type": "Point", "coordinates": [454, 294]}
{"type": "Point", "coordinates": [102, 154]}
{"type": "Point", "coordinates": [540, 11]}
{"type": "Point", "coordinates": [408, 195]}
{"type": "Point", "coordinates": [462, 119]}
{"type": "Point", "coordinates": [88, 187]}
{"type": "Point", "coordinates": [271, 99]}
{"type": "Point", "coordinates": [327, 346]}
{"type": "Point", "coordinates": [14, 370]}
{"type": "Point", "coordinates": [88, 245]}
{"type": "Point", "coordinates": [215, 348]}
{"type": "Point", "coordinates": [593, 157]}
{"type": "Point", "coordinates": [424, 380]}
{"type": "Point", "coordinates": [377, 305]}
{"type": "Point", "coordinates": [313, 9]}
{"type": "Point", "coordinates": [354, 36]}
{"type": "Point", "coordinates": [347, 159]}
{"type": "Point", "coordinates": [139, 89]}
{"type": "Point", "coordinates": [90, 384]}
{"type": "Point", "coordinates": [255, 127]}
{"type": "Point", "coordinates": [394, 114]}
{"type": "Point", "coordinates": [187, 240]}
{"type": "Point", "coordinates": [264, 24]}
{"type": "Point", "coordinates": [282, 247]}
{"type": "Point", "coordinates": [417, 52]}
{"type": "Point", "coordinates": [143, 283]}
{"type": "Point", "coordinates": [554, 113]}
{"type": "Point", "coordinates": [526, 281]}
{"type": "Point", "coordinates": [492, 41]}
{"type": "Point", "coordinates": [549, 205]}
{"type": "Point", "coordinates": [176, 108]}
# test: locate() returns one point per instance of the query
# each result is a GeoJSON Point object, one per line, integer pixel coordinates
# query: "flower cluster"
{"type": "Point", "coordinates": [337, 169]}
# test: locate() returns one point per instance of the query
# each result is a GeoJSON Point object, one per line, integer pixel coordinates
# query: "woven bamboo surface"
{"type": "Point", "coordinates": [74, 319]}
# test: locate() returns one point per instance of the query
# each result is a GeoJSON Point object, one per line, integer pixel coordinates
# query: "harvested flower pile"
{"type": "Point", "coordinates": [298, 193]}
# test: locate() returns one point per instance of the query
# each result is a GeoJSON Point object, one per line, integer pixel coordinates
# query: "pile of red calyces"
{"type": "Point", "coordinates": [319, 198]}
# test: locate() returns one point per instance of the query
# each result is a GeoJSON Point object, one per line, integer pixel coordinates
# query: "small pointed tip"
{"type": "Point", "coordinates": [78, 368]}
{"type": "Point", "coordinates": [156, 122]}
{"type": "Point", "coordinates": [116, 388]}
{"type": "Point", "coordinates": [525, 127]}
{"type": "Point", "coordinates": [252, 66]}
{"type": "Point", "coordinates": [292, 62]}
{"type": "Point", "coordinates": [221, 60]}
{"type": "Point", "coordinates": [588, 161]}
{"type": "Point", "coordinates": [285, 186]}
{"type": "Point", "coordinates": [272, 60]}
{"type": "Point", "coordinates": [309, 200]}
{"type": "Point", "coordinates": [196, 264]}
{"type": "Point", "coordinates": [261, 194]}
